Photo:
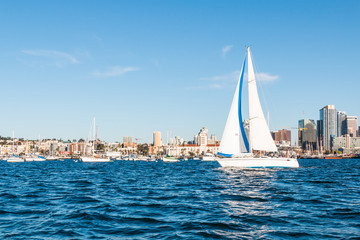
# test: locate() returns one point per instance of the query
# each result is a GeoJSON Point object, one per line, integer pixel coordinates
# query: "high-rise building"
{"type": "Point", "coordinates": [328, 124]}
{"type": "Point", "coordinates": [307, 134]}
{"type": "Point", "coordinates": [176, 141]}
{"type": "Point", "coordinates": [202, 139]}
{"type": "Point", "coordinates": [128, 142]}
{"type": "Point", "coordinates": [352, 125]}
{"type": "Point", "coordinates": [127, 139]}
{"type": "Point", "coordinates": [341, 124]}
{"type": "Point", "coordinates": [358, 133]}
{"type": "Point", "coordinates": [157, 139]}
{"type": "Point", "coordinates": [212, 139]}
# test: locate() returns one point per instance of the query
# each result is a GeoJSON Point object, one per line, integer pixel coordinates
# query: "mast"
{"type": "Point", "coordinates": [93, 145]}
{"type": "Point", "coordinates": [249, 127]}
{"type": "Point", "coordinates": [13, 145]}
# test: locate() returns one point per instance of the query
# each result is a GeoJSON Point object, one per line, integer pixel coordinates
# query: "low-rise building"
{"type": "Point", "coordinates": [346, 142]}
{"type": "Point", "coordinates": [192, 149]}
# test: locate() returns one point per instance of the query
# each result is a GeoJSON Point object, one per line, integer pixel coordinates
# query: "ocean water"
{"type": "Point", "coordinates": [185, 200]}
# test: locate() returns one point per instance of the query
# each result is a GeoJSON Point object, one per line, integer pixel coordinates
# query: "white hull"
{"type": "Point", "coordinates": [165, 159]}
{"type": "Point", "coordinates": [209, 158]}
{"type": "Point", "coordinates": [93, 159]}
{"type": "Point", "coordinates": [35, 159]}
{"type": "Point", "coordinates": [259, 162]}
{"type": "Point", "coordinates": [39, 160]}
{"type": "Point", "coordinates": [15, 160]}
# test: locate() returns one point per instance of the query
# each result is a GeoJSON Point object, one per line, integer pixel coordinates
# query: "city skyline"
{"type": "Point", "coordinates": [170, 66]}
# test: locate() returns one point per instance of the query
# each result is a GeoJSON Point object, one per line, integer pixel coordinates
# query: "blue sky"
{"type": "Point", "coordinates": [141, 66]}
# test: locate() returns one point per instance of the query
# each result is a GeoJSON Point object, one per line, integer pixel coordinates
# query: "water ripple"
{"type": "Point", "coordinates": [186, 200]}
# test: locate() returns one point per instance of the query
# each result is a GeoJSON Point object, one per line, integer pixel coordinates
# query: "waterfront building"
{"type": "Point", "coordinates": [127, 139]}
{"type": "Point", "coordinates": [201, 145]}
{"type": "Point", "coordinates": [157, 141]}
{"type": "Point", "coordinates": [341, 124]}
{"type": "Point", "coordinates": [352, 125]}
{"type": "Point", "coordinates": [328, 126]}
{"type": "Point", "coordinates": [188, 149]}
{"type": "Point", "coordinates": [307, 134]}
{"type": "Point", "coordinates": [78, 148]}
{"type": "Point", "coordinates": [347, 144]}
{"type": "Point", "coordinates": [212, 139]}
{"type": "Point", "coordinates": [282, 137]}
{"type": "Point", "coordinates": [176, 141]}
{"type": "Point", "coordinates": [202, 137]}
{"type": "Point", "coordinates": [128, 142]}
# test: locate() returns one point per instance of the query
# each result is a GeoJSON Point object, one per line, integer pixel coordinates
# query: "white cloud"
{"type": "Point", "coordinates": [266, 77]}
{"type": "Point", "coordinates": [215, 85]}
{"type": "Point", "coordinates": [59, 57]}
{"type": "Point", "coordinates": [226, 49]}
{"type": "Point", "coordinates": [115, 71]}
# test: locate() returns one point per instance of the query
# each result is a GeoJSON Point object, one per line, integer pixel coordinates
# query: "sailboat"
{"type": "Point", "coordinates": [14, 158]}
{"type": "Point", "coordinates": [35, 157]}
{"type": "Point", "coordinates": [238, 149]}
{"type": "Point", "coordinates": [93, 157]}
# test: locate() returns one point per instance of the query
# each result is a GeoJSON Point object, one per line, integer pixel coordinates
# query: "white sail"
{"type": "Point", "coordinates": [233, 141]}
{"type": "Point", "coordinates": [260, 138]}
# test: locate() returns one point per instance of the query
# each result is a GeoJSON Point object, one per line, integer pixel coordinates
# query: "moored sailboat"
{"type": "Point", "coordinates": [238, 149]}
{"type": "Point", "coordinates": [14, 158]}
{"type": "Point", "coordinates": [94, 157]}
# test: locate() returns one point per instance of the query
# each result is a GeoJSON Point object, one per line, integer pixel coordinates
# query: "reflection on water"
{"type": "Point", "coordinates": [245, 201]}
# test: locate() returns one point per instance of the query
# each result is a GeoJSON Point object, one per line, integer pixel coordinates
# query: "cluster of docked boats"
{"type": "Point", "coordinates": [35, 158]}
{"type": "Point", "coordinates": [102, 158]}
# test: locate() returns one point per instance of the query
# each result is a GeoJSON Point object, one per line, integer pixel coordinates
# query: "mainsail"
{"type": "Point", "coordinates": [260, 138]}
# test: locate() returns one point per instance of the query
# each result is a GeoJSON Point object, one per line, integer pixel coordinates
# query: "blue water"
{"type": "Point", "coordinates": [185, 200]}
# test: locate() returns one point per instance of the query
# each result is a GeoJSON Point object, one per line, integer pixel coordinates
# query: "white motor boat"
{"type": "Point", "coordinates": [95, 159]}
{"type": "Point", "coordinates": [170, 159]}
{"type": "Point", "coordinates": [14, 159]}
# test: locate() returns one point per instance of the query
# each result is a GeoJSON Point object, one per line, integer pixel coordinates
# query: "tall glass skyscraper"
{"type": "Point", "coordinates": [307, 134]}
{"type": "Point", "coordinates": [328, 120]}
{"type": "Point", "coordinates": [342, 123]}
{"type": "Point", "coordinates": [352, 125]}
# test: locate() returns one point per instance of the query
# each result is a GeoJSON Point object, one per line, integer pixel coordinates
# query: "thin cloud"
{"type": "Point", "coordinates": [221, 81]}
{"type": "Point", "coordinates": [226, 49]}
{"type": "Point", "coordinates": [155, 62]}
{"type": "Point", "coordinates": [115, 71]}
{"type": "Point", "coordinates": [56, 55]}
{"type": "Point", "coordinates": [266, 77]}
{"type": "Point", "coordinates": [216, 86]}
